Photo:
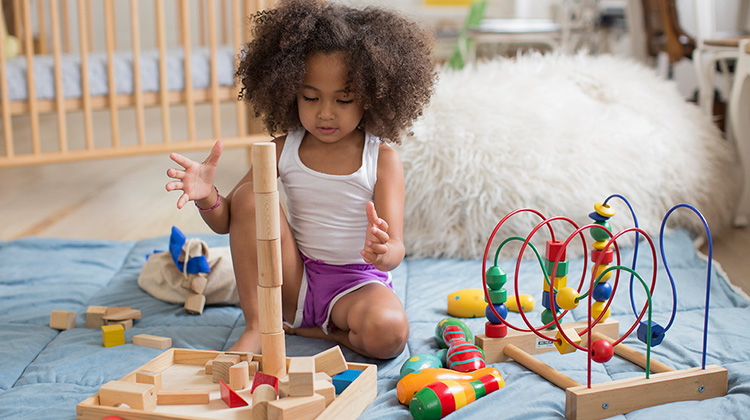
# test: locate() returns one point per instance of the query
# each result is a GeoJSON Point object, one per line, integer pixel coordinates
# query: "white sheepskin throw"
{"type": "Point", "coordinates": [558, 133]}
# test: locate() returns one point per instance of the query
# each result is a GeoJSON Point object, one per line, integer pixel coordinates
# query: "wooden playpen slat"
{"type": "Point", "coordinates": [66, 27]}
{"type": "Point", "coordinates": [110, 35]}
{"type": "Point", "coordinates": [189, 92]}
{"type": "Point", "coordinates": [162, 42]}
{"type": "Point", "coordinates": [137, 89]}
{"type": "Point", "coordinates": [88, 123]}
{"type": "Point", "coordinates": [62, 125]}
{"type": "Point", "coordinates": [17, 22]}
{"type": "Point", "coordinates": [42, 28]}
{"type": "Point", "coordinates": [90, 27]}
{"type": "Point", "coordinates": [241, 123]}
{"type": "Point", "coordinates": [34, 112]}
{"type": "Point", "coordinates": [216, 115]}
{"type": "Point", "coordinates": [7, 120]}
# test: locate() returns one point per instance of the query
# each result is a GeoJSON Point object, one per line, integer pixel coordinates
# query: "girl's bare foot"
{"type": "Point", "coordinates": [249, 341]}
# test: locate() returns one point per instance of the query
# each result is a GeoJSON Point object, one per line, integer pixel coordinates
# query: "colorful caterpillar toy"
{"type": "Point", "coordinates": [463, 355]}
{"type": "Point", "coordinates": [441, 398]}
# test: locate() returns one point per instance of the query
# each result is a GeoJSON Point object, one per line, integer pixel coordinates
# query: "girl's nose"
{"type": "Point", "coordinates": [326, 111]}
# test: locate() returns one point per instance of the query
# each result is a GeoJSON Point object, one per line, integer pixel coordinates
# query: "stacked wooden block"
{"type": "Point", "coordinates": [268, 234]}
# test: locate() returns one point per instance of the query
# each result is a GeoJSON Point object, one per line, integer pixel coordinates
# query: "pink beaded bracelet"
{"type": "Point", "coordinates": [218, 201]}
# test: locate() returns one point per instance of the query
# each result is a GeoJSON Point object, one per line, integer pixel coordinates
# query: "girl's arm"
{"type": "Point", "coordinates": [384, 245]}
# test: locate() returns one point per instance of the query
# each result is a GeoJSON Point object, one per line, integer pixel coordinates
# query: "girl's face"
{"type": "Point", "coordinates": [326, 104]}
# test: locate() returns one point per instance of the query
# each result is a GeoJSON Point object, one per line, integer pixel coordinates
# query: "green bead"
{"type": "Point", "coordinates": [498, 296]}
{"type": "Point", "coordinates": [495, 277]}
{"type": "Point", "coordinates": [598, 234]}
{"type": "Point", "coordinates": [562, 268]}
{"type": "Point", "coordinates": [547, 318]}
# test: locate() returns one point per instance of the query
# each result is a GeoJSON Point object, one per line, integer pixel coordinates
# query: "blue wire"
{"type": "Point", "coordinates": [635, 248]}
{"type": "Point", "coordinates": [708, 274]}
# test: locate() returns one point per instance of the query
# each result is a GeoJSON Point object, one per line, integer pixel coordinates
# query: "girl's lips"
{"type": "Point", "coordinates": [326, 130]}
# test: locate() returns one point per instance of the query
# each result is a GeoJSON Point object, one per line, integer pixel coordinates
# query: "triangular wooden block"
{"type": "Point", "coordinates": [231, 398]}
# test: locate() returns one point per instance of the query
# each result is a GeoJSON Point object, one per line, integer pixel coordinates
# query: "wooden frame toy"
{"type": "Point", "coordinates": [594, 401]}
{"type": "Point", "coordinates": [179, 369]}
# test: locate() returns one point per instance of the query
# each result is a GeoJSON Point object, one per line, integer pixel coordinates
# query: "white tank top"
{"type": "Point", "coordinates": [328, 213]}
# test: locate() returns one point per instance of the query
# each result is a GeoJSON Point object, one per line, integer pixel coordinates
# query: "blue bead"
{"type": "Point", "coordinates": [545, 301]}
{"type": "Point", "coordinates": [598, 217]}
{"type": "Point", "coordinates": [602, 292]}
{"type": "Point", "coordinates": [657, 333]}
{"type": "Point", "coordinates": [501, 309]}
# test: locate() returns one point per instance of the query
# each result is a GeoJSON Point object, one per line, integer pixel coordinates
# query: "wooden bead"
{"type": "Point", "coordinates": [498, 297]}
{"type": "Point", "coordinates": [657, 333]}
{"type": "Point", "coordinates": [609, 256]}
{"type": "Point", "coordinates": [566, 298]}
{"type": "Point", "coordinates": [597, 217]}
{"type": "Point", "coordinates": [562, 268]}
{"type": "Point", "coordinates": [599, 234]}
{"type": "Point", "coordinates": [602, 292]}
{"type": "Point", "coordinates": [547, 318]}
{"type": "Point", "coordinates": [495, 277]}
{"type": "Point", "coordinates": [604, 210]}
{"type": "Point", "coordinates": [596, 310]}
{"type": "Point", "coordinates": [495, 330]}
{"type": "Point", "coordinates": [599, 245]}
{"type": "Point", "coordinates": [564, 346]}
{"type": "Point", "coordinates": [599, 271]}
{"type": "Point", "coordinates": [553, 247]}
{"type": "Point", "coordinates": [557, 283]}
{"type": "Point", "coordinates": [601, 351]}
{"type": "Point", "coordinates": [501, 309]}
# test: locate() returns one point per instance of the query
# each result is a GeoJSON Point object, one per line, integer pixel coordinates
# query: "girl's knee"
{"type": "Point", "coordinates": [386, 335]}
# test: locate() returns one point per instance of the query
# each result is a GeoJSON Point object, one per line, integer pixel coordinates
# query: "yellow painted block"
{"type": "Point", "coordinates": [113, 335]}
{"type": "Point", "coordinates": [564, 346]}
{"type": "Point", "coordinates": [557, 282]}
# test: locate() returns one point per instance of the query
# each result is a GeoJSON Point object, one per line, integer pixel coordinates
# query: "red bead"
{"type": "Point", "coordinates": [495, 330]}
{"type": "Point", "coordinates": [609, 255]}
{"type": "Point", "coordinates": [601, 351]}
{"type": "Point", "coordinates": [553, 247]}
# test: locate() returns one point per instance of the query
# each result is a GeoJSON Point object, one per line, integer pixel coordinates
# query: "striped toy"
{"type": "Point", "coordinates": [463, 355]}
{"type": "Point", "coordinates": [410, 384]}
{"type": "Point", "coordinates": [441, 398]}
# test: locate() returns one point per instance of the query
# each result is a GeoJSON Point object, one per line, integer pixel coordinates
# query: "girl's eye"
{"type": "Point", "coordinates": [341, 101]}
{"type": "Point", "coordinates": [309, 99]}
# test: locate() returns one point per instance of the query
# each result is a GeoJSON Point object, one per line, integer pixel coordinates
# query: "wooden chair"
{"type": "Point", "coordinates": [664, 36]}
{"type": "Point", "coordinates": [739, 119]}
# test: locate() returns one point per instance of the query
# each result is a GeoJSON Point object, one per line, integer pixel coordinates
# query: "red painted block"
{"type": "Point", "coordinates": [231, 398]}
{"type": "Point", "coordinates": [261, 378]}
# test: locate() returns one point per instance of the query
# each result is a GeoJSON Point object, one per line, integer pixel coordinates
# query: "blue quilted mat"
{"type": "Point", "coordinates": [44, 372]}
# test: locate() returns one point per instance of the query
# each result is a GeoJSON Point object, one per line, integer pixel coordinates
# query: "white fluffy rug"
{"type": "Point", "coordinates": [557, 133]}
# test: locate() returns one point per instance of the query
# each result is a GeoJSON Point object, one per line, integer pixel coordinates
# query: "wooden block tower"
{"type": "Point", "coordinates": [268, 234]}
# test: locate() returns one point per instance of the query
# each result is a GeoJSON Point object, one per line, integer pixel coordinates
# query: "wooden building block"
{"type": "Point", "coordinates": [221, 365]}
{"type": "Point", "coordinates": [198, 283]}
{"type": "Point", "coordinates": [270, 252]}
{"type": "Point", "coordinates": [269, 307]}
{"type": "Point", "coordinates": [137, 396]}
{"type": "Point", "coordinates": [301, 376]}
{"type": "Point", "coordinates": [331, 361]}
{"type": "Point", "coordinates": [274, 354]}
{"type": "Point", "coordinates": [95, 316]}
{"type": "Point", "coordinates": [126, 324]}
{"type": "Point", "coordinates": [231, 398]}
{"type": "Point", "coordinates": [153, 341]}
{"type": "Point", "coordinates": [261, 378]}
{"type": "Point", "coordinates": [183, 396]}
{"type": "Point", "coordinates": [150, 378]}
{"type": "Point", "coordinates": [253, 367]}
{"type": "Point", "coordinates": [326, 389]}
{"type": "Point", "coordinates": [322, 376]}
{"type": "Point", "coordinates": [344, 379]}
{"type": "Point", "coordinates": [120, 314]}
{"type": "Point", "coordinates": [113, 335]}
{"type": "Point", "coordinates": [296, 408]}
{"type": "Point", "coordinates": [239, 376]}
{"type": "Point", "coordinates": [194, 303]}
{"type": "Point", "coordinates": [262, 395]}
{"type": "Point", "coordinates": [209, 367]}
{"type": "Point", "coordinates": [62, 320]}
{"type": "Point", "coordinates": [245, 356]}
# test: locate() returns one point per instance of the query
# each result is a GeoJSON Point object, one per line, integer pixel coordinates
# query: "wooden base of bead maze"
{"type": "Point", "coordinates": [607, 399]}
{"type": "Point", "coordinates": [533, 344]}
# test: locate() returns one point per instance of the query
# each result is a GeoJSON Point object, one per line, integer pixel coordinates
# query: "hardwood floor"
{"type": "Point", "coordinates": [125, 199]}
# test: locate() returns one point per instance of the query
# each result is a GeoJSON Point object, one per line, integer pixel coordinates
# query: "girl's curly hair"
{"type": "Point", "coordinates": [390, 61]}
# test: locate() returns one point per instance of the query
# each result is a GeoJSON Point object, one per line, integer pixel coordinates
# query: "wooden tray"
{"type": "Point", "coordinates": [185, 369]}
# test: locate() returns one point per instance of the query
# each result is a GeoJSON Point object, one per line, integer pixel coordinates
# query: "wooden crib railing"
{"type": "Point", "coordinates": [64, 128]}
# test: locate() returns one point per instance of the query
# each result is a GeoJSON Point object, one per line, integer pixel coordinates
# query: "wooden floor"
{"type": "Point", "coordinates": [125, 199]}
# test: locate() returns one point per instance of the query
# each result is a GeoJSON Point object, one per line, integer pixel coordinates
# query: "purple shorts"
{"type": "Point", "coordinates": [324, 284]}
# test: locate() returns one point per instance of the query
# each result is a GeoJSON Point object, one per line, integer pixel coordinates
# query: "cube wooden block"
{"type": "Point", "coordinates": [95, 316]}
{"type": "Point", "coordinates": [183, 396]}
{"type": "Point", "coordinates": [220, 366]}
{"type": "Point", "coordinates": [126, 324]}
{"type": "Point", "coordinates": [239, 376]}
{"type": "Point", "coordinates": [296, 408]}
{"type": "Point", "coordinates": [135, 395]}
{"type": "Point", "coordinates": [326, 389]}
{"type": "Point", "coordinates": [194, 303]}
{"type": "Point", "coordinates": [153, 341]}
{"type": "Point", "coordinates": [198, 284]}
{"type": "Point", "coordinates": [331, 361]}
{"type": "Point", "coordinates": [564, 346]}
{"type": "Point", "coordinates": [113, 335]}
{"type": "Point", "coordinates": [150, 378]}
{"type": "Point", "coordinates": [209, 367]}
{"type": "Point", "coordinates": [344, 379]}
{"type": "Point", "coordinates": [301, 376]}
{"type": "Point", "coordinates": [62, 320]}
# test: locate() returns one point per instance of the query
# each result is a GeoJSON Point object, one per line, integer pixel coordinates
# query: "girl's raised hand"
{"type": "Point", "coordinates": [196, 180]}
{"type": "Point", "coordinates": [376, 241]}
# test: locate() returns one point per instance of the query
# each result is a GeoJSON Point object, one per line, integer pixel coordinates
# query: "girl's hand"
{"type": "Point", "coordinates": [376, 241]}
{"type": "Point", "coordinates": [196, 180]}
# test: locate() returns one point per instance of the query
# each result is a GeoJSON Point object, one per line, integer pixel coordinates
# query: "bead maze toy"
{"type": "Point", "coordinates": [598, 336]}
{"type": "Point", "coordinates": [215, 373]}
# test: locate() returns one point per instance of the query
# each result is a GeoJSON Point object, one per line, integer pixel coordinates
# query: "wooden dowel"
{"type": "Point", "coordinates": [269, 304]}
{"type": "Point", "coordinates": [240, 105]}
{"type": "Point", "coordinates": [85, 89]}
{"type": "Point", "coordinates": [90, 26]}
{"type": "Point", "coordinates": [62, 121]}
{"type": "Point", "coordinates": [223, 22]}
{"type": "Point", "coordinates": [189, 94]}
{"type": "Point", "coordinates": [66, 26]}
{"type": "Point", "coordinates": [542, 369]}
{"type": "Point", "coordinates": [109, 18]}
{"type": "Point", "coordinates": [7, 120]}
{"type": "Point", "coordinates": [33, 108]}
{"type": "Point", "coordinates": [42, 28]}
{"type": "Point", "coordinates": [634, 356]}
{"type": "Point", "coordinates": [137, 88]}
{"type": "Point", "coordinates": [18, 23]}
{"type": "Point", "coordinates": [212, 33]}
{"type": "Point", "coordinates": [163, 88]}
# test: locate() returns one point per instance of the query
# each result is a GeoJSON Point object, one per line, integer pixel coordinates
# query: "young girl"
{"type": "Point", "coordinates": [336, 80]}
